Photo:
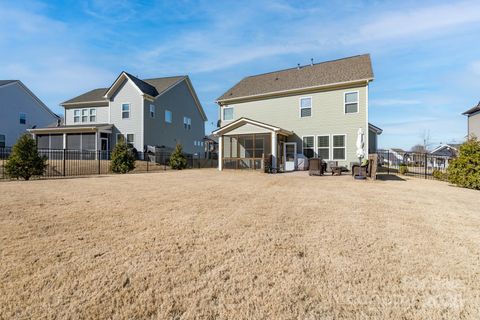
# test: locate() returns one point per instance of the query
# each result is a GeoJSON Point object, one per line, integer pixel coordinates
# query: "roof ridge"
{"type": "Point", "coordinates": [180, 76]}
{"type": "Point", "coordinates": [308, 65]}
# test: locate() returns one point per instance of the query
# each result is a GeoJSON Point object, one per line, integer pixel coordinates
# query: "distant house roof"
{"type": "Point", "coordinates": [339, 71]}
{"type": "Point", "coordinates": [94, 95]}
{"type": "Point", "coordinates": [374, 128]}
{"type": "Point", "coordinates": [4, 82]}
{"type": "Point", "coordinates": [472, 110]}
{"type": "Point", "coordinates": [447, 150]}
{"type": "Point", "coordinates": [151, 87]}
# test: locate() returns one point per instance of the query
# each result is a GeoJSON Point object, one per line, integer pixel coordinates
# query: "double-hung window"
{"type": "Point", "coordinates": [228, 113]}
{"type": "Point", "coordinates": [308, 146]}
{"type": "Point", "coordinates": [168, 116]}
{"type": "Point", "coordinates": [130, 139]}
{"type": "Point", "coordinates": [187, 123]}
{"type": "Point", "coordinates": [339, 147]}
{"type": "Point", "coordinates": [84, 115]}
{"type": "Point", "coordinates": [76, 116]}
{"type": "Point", "coordinates": [120, 138]}
{"type": "Point", "coordinates": [323, 147]}
{"type": "Point", "coordinates": [125, 111]}
{"type": "Point", "coordinates": [93, 115]}
{"type": "Point", "coordinates": [2, 141]}
{"type": "Point", "coordinates": [351, 102]}
{"type": "Point", "coordinates": [152, 111]}
{"type": "Point", "coordinates": [305, 107]}
{"type": "Point", "coordinates": [23, 118]}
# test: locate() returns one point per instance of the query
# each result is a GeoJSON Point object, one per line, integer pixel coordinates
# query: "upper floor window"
{"type": "Point", "coordinates": [2, 141]}
{"type": "Point", "coordinates": [305, 107]}
{"type": "Point", "coordinates": [228, 113]}
{"type": "Point", "coordinates": [76, 116]}
{"type": "Point", "coordinates": [93, 115]}
{"type": "Point", "coordinates": [339, 147]}
{"type": "Point", "coordinates": [308, 146]}
{"type": "Point", "coordinates": [84, 115]}
{"type": "Point", "coordinates": [187, 123]}
{"type": "Point", "coordinates": [323, 147]}
{"type": "Point", "coordinates": [152, 111]}
{"type": "Point", "coordinates": [23, 118]}
{"type": "Point", "coordinates": [168, 116]}
{"type": "Point", "coordinates": [351, 102]}
{"type": "Point", "coordinates": [125, 111]}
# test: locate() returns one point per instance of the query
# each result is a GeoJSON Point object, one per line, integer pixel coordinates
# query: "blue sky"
{"type": "Point", "coordinates": [425, 54]}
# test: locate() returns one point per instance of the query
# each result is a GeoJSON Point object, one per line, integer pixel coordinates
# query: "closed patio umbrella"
{"type": "Point", "coordinates": [360, 150]}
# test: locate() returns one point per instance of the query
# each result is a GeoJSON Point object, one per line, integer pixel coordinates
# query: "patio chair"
{"type": "Point", "coordinates": [363, 169]}
{"type": "Point", "coordinates": [316, 167]}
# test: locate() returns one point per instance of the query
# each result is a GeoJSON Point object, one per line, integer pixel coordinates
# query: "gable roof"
{"type": "Point", "coordinates": [351, 69]}
{"type": "Point", "coordinates": [145, 87]}
{"type": "Point", "coordinates": [29, 92]}
{"type": "Point", "coordinates": [95, 95]}
{"type": "Point", "coordinates": [472, 110]}
{"type": "Point", "coordinates": [243, 121]}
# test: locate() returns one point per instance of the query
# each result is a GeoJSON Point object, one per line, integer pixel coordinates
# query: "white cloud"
{"type": "Point", "coordinates": [418, 22]}
{"type": "Point", "coordinates": [394, 102]}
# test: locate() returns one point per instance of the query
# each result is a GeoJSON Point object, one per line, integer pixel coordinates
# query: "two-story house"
{"type": "Point", "coordinates": [20, 110]}
{"type": "Point", "coordinates": [314, 110]}
{"type": "Point", "coordinates": [149, 112]}
{"type": "Point", "coordinates": [473, 121]}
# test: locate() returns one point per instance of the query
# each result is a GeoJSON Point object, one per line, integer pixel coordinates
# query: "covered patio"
{"type": "Point", "coordinates": [247, 144]}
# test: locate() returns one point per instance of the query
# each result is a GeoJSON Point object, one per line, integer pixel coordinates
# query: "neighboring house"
{"type": "Point", "coordinates": [150, 112]}
{"type": "Point", "coordinates": [473, 122]}
{"type": "Point", "coordinates": [211, 147]}
{"type": "Point", "coordinates": [315, 110]}
{"type": "Point", "coordinates": [20, 110]}
{"type": "Point", "coordinates": [440, 156]}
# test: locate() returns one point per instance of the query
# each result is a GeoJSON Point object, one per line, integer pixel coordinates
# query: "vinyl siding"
{"type": "Point", "coordinates": [127, 93]}
{"type": "Point", "coordinates": [328, 117]}
{"type": "Point", "coordinates": [14, 100]}
{"type": "Point", "coordinates": [180, 102]}
{"type": "Point", "coordinates": [102, 115]}
{"type": "Point", "coordinates": [474, 125]}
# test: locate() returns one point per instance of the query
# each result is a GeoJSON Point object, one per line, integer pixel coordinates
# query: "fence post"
{"type": "Point", "coordinates": [146, 160]}
{"type": "Point", "coordinates": [64, 161]}
{"type": "Point", "coordinates": [388, 162]}
{"type": "Point", "coordinates": [98, 157]}
{"type": "Point", "coordinates": [426, 165]}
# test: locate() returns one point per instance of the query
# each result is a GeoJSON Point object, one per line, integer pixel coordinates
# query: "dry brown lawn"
{"type": "Point", "coordinates": [200, 244]}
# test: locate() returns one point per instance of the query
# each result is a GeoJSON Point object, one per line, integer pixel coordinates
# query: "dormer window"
{"type": "Point", "coordinates": [305, 107]}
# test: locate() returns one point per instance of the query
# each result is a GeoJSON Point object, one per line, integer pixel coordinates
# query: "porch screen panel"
{"type": "Point", "coordinates": [56, 141]}
{"type": "Point", "coordinates": [227, 147]}
{"type": "Point", "coordinates": [73, 141]}
{"type": "Point", "coordinates": [43, 141]}
{"type": "Point", "coordinates": [88, 141]}
{"type": "Point", "coordinates": [234, 147]}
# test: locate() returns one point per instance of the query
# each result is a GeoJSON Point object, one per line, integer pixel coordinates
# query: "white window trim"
{"type": "Point", "coordinates": [126, 138]}
{"type": "Point", "coordinates": [314, 144]}
{"type": "Point", "coordinates": [330, 155]}
{"type": "Point", "coordinates": [300, 108]}
{"type": "Point", "coordinates": [90, 115]}
{"type": "Point", "coordinates": [129, 111]}
{"type": "Point", "coordinates": [345, 102]}
{"type": "Point", "coordinates": [79, 115]}
{"type": "Point", "coordinates": [87, 115]}
{"type": "Point", "coordinates": [171, 116]}
{"type": "Point", "coordinates": [223, 113]}
{"type": "Point", "coordinates": [20, 117]}
{"type": "Point", "coordinates": [345, 147]}
{"type": "Point", "coordinates": [152, 113]}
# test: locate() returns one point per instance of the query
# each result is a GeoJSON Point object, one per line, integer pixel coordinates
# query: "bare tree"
{"type": "Point", "coordinates": [419, 148]}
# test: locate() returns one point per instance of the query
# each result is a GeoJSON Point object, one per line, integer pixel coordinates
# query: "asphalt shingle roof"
{"type": "Point", "coordinates": [2, 82]}
{"type": "Point", "coordinates": [323, 73]}
{"type": "Point", "coordinates": [152, 87]}
{"type": "Point", "coordinates": [473, 110]}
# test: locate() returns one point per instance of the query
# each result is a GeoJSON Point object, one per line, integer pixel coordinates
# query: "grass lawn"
{"type": "Point", "coordinates": [238, 245]}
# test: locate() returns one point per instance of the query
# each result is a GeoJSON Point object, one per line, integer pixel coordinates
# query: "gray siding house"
{"type": "Point", "coordinates": [149, 112]}
{"type": "Point", "coordinates": [20, 110]}
{"type": "Point", "coordinates": [308, 111]}
{"type": "Point", "coordinates": [473, 121]}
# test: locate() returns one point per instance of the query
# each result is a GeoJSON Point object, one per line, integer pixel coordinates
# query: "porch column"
{"type": "Point", "coordinates": [274, 151]}
{"type": "Point", "coordinates": [64, 141]}
{"type": "Point", "coordinates": [220, 153]}
{"type": "Point", "coordinates": [96, 145]}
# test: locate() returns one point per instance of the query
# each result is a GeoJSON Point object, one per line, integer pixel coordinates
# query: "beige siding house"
{"type": "Point", "coordinates": [148, 112]}
{"type": "Point", "coordinates": [473, 121]}
{"type": "Point", "coordinates": [309, 111]}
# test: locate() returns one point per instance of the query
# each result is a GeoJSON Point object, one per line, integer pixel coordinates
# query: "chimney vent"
{"type": "Point", "coordinates": [298, 66]}
{"type": "Point", "coordinates": [311, 61]}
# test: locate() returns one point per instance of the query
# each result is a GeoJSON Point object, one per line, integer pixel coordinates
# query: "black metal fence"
{"type": "Point", "coordinates": [419, 165]}
{"type": "Point", "coordinates": [70, 163]}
